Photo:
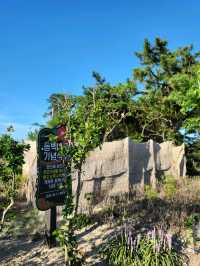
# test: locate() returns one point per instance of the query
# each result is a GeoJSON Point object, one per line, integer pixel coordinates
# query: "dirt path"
{"type": "Point", "coordinates": [22, 242]}
{"type": "Point", "coordinates": [22, 239]}
{"type": "Point", "coordinates": [24, 251]}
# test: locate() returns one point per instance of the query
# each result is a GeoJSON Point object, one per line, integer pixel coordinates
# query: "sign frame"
{"type": "Point", "coordinates": [51, 169]}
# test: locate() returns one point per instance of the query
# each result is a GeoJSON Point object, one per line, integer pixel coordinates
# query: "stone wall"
{"type": "Point", "coordinates": [105, 172]}
{"type": "Point", "coordinates": [30, 171]}
{"type": "Point", "coordinates": [150, 160]}
{"type": "Point", "coordinates": [116, 167]}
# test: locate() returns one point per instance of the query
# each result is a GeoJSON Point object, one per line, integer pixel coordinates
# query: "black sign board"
{"type": "Point", "coordinates": [51, 185]}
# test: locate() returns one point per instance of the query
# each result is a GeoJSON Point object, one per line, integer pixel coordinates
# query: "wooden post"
{"type": "Point", "coordinates": [51, 227]}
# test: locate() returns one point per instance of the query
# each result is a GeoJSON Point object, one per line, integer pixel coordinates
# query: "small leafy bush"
{"type": "Point", "coordinates": [11, 162]}
{"type": "Point", "coordinates": [150, 193]}
{"type": "Point", "coordinates": [169, 186]}
{"type": "Point", "coordinates": [66, 238]}
{"type": "Point", "coordinates": [81, 220]}
{"type": "Point", "coordinates": [150, 249]}
{"type": "Point", "coordinates": [193, 218]}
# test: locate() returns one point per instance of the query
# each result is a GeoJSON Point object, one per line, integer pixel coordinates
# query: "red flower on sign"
{"type": "Point", "coordinates": [61, 131]}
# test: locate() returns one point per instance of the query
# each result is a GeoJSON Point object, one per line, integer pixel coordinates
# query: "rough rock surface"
{"type": "Point", "coordinates": [30, 171]}
{"type": "Point", "coordinates": [105, 172]}
{"type": "Point", "coordinates": [117, 167]}
{"type": "Point", "coordinates": [150, 160]}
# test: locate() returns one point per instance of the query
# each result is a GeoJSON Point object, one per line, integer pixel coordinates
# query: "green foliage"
{"type": "Point", "coordinates": [170, 96]}
{"type": "Point", "coordinates": [67, 240]}
{"type": "Point", "coordinates": [11, 161]}
{"type": "Point", "coordinates": [193, 157]}
{"type": "Point", "coordinates": [81, 220]}
{"type": "Point", "coordinates": [11, 154]}
{"type": "Point", "coordinates": [150, 193]}
{"type": "Point", "coordinates": [186, 94]}
{"type": "Point", "coordinates": [32, 135]}
{"type": "Point", "coordinates": [192, 237]}
{"type": "Point", "coordinates": [167, 108]}
{"type": "Point", "coordinates": [65, 234]}
{"type": "Point", "coordinates": [160, 64]}
{"type": "Point", "coordinates": [90, 120]}
{"type": "Point", "coordinates": [94, 117]}
{"type": "Point", "coordinates": [56, 102]}
{"type": "Point", "coordinates": [153, 248]}
{"type": "Point", "coordinates": [169, 105]}
{"type": "Point", "coordinates": [25, 221]}
{"type": "Point", "coordinates": [169, 186]}
{"type": "Point", "coordinates": [191, 220]}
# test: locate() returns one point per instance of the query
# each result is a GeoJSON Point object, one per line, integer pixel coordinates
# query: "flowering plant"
{"type": "Point", "coordinates": [151, 248]}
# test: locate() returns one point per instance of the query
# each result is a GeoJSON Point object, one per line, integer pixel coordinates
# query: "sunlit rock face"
{"type": "Point", "coordinates": [116, 167]}
{"type": "Point", "coordinates": [105, 173]}
{"type": "Point", "coordinates": [121, 165]}
{"type": "Point", "coordinates": [30, 171]}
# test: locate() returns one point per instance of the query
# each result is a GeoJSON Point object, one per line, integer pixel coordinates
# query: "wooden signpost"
{"type": "Point", "coordinates": [51, 183]}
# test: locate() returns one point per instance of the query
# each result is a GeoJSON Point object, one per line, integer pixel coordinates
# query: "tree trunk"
{"type": "Point", "coordinates": [10, 205]}
{"type": "Point", "coordinates": [78, 189]}
{"type": "Point", "coordinates": [4, 213]}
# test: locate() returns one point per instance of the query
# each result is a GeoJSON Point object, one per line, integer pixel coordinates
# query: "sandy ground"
{"type": "Point", "coordinates": [194, 260]}
{"type": "Point", "coordinates": [23, 242]}
{"type": "Point", "coordinates": [26, 252]}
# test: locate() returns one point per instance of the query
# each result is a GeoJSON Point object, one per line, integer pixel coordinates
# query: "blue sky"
{"type": "Point", "coordinates": [51, 46]}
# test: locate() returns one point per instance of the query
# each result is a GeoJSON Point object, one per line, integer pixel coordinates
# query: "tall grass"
{"type": "Point", "coordinates": [153, 248]}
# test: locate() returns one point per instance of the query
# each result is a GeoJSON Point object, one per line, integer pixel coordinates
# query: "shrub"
{"type": "Point", "coordinates": [11, 161]}
{"type": "Point", "coordinates": [150, 193]}
{"type": "Point", "coordinates": [81, 220]}
{"type": "Point", "coordinates": [149, 249]}
{"type": "Point", "coordinates": [169, 186]}
{"type": "Point", "coordinates": [189, 221]}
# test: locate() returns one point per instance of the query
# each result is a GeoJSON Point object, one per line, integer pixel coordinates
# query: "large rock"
{"type": "Point", "coordinates": [150, 160]}
{"type": "Point", "coordinates": [30, 171]}
{"type": "Point", "coordinates": [116, 167]}
{"type": "Point", "coordinates": [105, 172]}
